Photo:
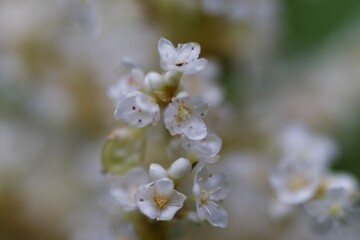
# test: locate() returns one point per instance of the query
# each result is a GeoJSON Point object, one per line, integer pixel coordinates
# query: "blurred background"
{"type": "Point", "coordinates": [275, 61]}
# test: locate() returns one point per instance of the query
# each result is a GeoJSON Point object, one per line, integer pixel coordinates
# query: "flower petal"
{"type": "Point", "coordinates": [218, 185]}
{"type": "Point", "coordinates": [195, 129]}
{"type": "Point", "coordinates": [144, 199]}
{"type": "Point", "coordinates": [212, 212]}
{"type": "Point", "coordinates": [175, 203]}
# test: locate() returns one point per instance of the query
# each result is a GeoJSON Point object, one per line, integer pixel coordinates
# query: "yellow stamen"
{"type": "Point", "coordinates": [161, 201]}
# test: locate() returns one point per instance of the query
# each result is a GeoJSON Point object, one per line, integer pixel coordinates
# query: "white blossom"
{"type": "Point", "coordinates": [333, 206]}
{"type": "Point", "coordinates": [178, 169]}
{"type": "Point", "coordinates": [138, 110]}
{"type": "Point", "coordinates": [158, 200]}
{"type": "Point", "coordinates": [184, 116]}
{"type": "Point", "coordinates": [123, 190]}
{"type": "Point", "coordinates": [298, 143]}
{"type": "Point", "coordinates": [208, 189]}
{"type": "Point", "coordinates": [132, 80]}
{"type": "Point", "coordinates": [183, 58]}
{"type": "Point", "coordinates": [205, 150]}
{"type": "Point", "coordinates": [295, 182]}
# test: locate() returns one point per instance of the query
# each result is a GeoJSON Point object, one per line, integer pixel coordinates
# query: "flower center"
{"type": "Point", "coordinates": [161, 201]}
{"type": "Point", "coordinates": [184, 112]}
{"type": "Point", "coordinates": [298, 182]}
{"type": "Point", "coordinates": [204, 195]}
{"type": "Point", "coordinates": [335, 209]}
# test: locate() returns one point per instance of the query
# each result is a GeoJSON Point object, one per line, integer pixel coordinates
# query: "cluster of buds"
{"type": "Point", "coordinates": [144, 100]}
{"type": "Point", "coordinates": [303, 177]}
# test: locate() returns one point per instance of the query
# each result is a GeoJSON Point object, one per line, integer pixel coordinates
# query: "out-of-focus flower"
{"type": "Point", "coordinates": [138, 110]}
{"type": "Point", "coordinates": [205, 150]}
{"type": "Point", "coordinates": [184, 116]}
{"type": "Point", "coordinates": [132, 80]}
{"type": "Point", "coordinates": [295, 182]}
{"type": "Point", "coordinates": [158, 200]}
{"type": "Point", "coordinates": [208, 189]}
{"type": "Point", "coordinates": [123, 190]}
{"type": "Point", "coordinates": [334, 206]}
{"type": "Point", "coordinates": [183, 58]}
{"type": "Point", "coordinates": [298, 143]}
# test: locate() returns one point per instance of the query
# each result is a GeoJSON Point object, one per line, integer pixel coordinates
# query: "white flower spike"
{"type": "Point", "coordinates": [183, 58]}
{"type": "Point", "coordinates": [138, 110]}
{"type": "Point", "coordinates": [208, 189]}
{"type": "Point", "coordinates": [178, 169]}
{"type": "Point", "coordinates": [123, 190]}
{"type": "Point", "coordinates": [205, 150]}
{"type": "Point", "coordinates": [184, 116]}
{"type": "Point", "coordinates": [158, 200]}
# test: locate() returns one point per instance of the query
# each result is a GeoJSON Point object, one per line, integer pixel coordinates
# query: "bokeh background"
{"type": "Point", "coordinates": [277, 61]}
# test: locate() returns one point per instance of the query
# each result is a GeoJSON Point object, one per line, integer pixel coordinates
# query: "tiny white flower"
{"type": "Point", "coordinates": [158, 200]}
{"type": "Point", "coordinates": [334, 206]}
{"type": "Point", "coordinates": [178, 169]}
{"type": "Point", "coordinates": [298, 143]}
{"type": "Point", "coordinates": [205, 150]}
{"type": "Point", "coordinates": [123, 190]}
{"type": "Point", "coordinates": [138, 110]}
{"type": "Point", "coordinates": [208, 189]}
{"type": "Point", "coordinates": [184, 116]}
{"type": "Point", "coordinates": [132, 80]}
{"type": "Point", "coordinates": [295, 182]}
{"type": "Point", "coordinates": [183, 58]}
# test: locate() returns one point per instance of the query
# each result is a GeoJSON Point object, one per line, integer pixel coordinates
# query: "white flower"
{"type": "Point", "coordinates": [158, 200]}
{"type": "Point", "coordinates": [178, 169]}
{"type": "Point", "coordinates": [123, 190]}
{"type": "Point", "coordinates": [184, 116]}
{"type": "Point", "coordinates": [208, 189]}
{"type": "Point", "coordinates": [298, 143]}
{"type": "Point", "coordinates": [335, 205]}
{"type": "Point", "coordinates": [205, 150]}
{"type": "Point", "coordinates": [132, 80]}
{"type": "Point", "coordinates": [184, 58]}
{"type": "Point", "coordinates": [138, 110]}
{"type": "Point", "coordinates": [295, 182]}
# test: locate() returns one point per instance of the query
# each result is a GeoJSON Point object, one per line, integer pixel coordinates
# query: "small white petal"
{"type": "Point", "coordinates": [317, 209]}
{"type": "Point", "coordinates": [207, 147]}
{"type": "Point", "coordinates": [196, 66]}
{"type": "Point", "coordinates": [218, 185]}
{"type": "Point", "coordinates": [175, 202]}
{"type": "Point", "coordinates": [144, 198]}
{"type": "Point", "coordinates": [195, 129]}
{"type": "Point", "coordinates": [188, 52]}
{"type": "Point", "coordinates": [180, 168]}
{"type": "Point", "coordinates": [164, 187]}
{"type": "Point", "coordinates": [198, 105]}
{"type": "Point", "coordinates": [212, 212]}
{"type": "Point", "coordinates": [156, 172]}
{"type": "Point", "coordinates": [153, 80]}
{"type": "Point", "coordinates": [167, 51]}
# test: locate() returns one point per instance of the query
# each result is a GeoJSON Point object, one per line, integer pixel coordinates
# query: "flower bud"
{"type": "Point", "coordinates": [122, 150]}
{"type": "Point", "coordinates": [156, 171]}
{"type": "Point", "coordinates": [179, 169]}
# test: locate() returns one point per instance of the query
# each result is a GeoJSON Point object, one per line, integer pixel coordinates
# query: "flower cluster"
{"type": "Point", "coordinates": [302, 177]}
{"type": "Point", "coordinates": [144, 100]}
